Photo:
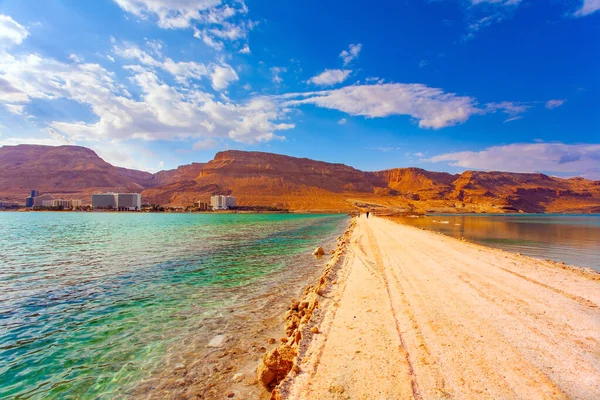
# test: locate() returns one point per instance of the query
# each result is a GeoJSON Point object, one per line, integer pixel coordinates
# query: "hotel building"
{"type": "Point", "coordinates": [117, 201]}
{"type": "Point", "coordinates": [222, 202]}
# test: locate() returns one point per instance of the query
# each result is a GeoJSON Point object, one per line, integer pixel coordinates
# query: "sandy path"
{"type": "Point", "coordinates": [418, 315]}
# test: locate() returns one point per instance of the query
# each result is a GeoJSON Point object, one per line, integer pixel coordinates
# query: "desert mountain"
{"type": "Point", "coordinates": [274, 180]}
{"type": "Point", "coordinates": [265, 179]}
{"type": "Point", "coordinates": [70, 171]}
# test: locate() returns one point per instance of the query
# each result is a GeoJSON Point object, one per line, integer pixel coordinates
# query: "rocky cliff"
{"type": "Point", "coordinates": [273, 180]}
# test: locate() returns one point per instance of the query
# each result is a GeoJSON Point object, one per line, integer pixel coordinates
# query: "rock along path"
{"type": "Point", "coordinates": [417, 315]}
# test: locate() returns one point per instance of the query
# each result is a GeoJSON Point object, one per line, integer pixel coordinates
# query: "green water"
{"type": "Point", "coordinates": [570, 238]}
{"type": "Point", "coordinates": [91, 303]}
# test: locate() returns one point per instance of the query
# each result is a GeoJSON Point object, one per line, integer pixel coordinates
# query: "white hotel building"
{"type": "Point", "coordinates": [222, 202]}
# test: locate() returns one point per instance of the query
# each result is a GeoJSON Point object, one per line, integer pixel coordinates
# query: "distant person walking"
{"type": "Point", "coordinates": [367, 214]}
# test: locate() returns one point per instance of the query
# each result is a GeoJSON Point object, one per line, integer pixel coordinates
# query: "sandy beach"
{"type": "Point", "coordinates": [411, 314]}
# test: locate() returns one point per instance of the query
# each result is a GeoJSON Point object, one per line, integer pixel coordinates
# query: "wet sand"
{"type": "Point", "coordinates": [417, 315]}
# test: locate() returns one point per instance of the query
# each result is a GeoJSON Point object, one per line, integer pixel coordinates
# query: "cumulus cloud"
{"type": "Point", "coordinates": [221, 75]}
{"type": "Point", "coordinates": [213, 21]}
{"type": "Point", "coordinates": [161, 112]}
{"type": "Point", "coordinates": [350, 54]}
{"type": "Point", "coordinates": [432, 107]}
{"type": "Point", "coordinates": [553, 158]}
{"type": "Point", "coordinates": [11, 32]}
{"type": "Point", "coordinates": [330, 77]}
{"type": "Point", "coordinates": [176, 14]}
{"type": "Point", "coordinates": [588, 7]}
{"type": "Point", "coordinates": [550, 104]}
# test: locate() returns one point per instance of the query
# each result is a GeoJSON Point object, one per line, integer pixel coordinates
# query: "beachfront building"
{"type": "Point", "coordinates": [129, 201]}
{"type": "Point", "coordinates": [222, 202]}
{"type": "Point", "coordinates": [202, 206]}
{"type": "Point", "coordinates": [40, 200]}
{"type": "Point", "coordinates": [117, 201]}
{"type": "Point", "coordinates": [104, 201]}
{"type": "Point", "coordinates": [230, 202]}
{"type": "Point", "coordinates": [32, 195]}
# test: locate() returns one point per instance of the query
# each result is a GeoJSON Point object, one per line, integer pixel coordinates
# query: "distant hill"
{"type": "Point", "coordinates": [72, 171]}
{"type": "Point", "coordinates": [265, 179]}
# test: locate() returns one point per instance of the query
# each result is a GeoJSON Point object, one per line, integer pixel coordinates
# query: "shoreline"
{"type": "Point", "coordinates": [557, 264]}
{"type": "Point", "coordinates": [322, 359]}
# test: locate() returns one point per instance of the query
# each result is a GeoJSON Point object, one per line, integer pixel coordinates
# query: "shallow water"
{"type": "Point", "coordinates": [91, 304]}
{"type": "Point", "coordinates": [573, 239]}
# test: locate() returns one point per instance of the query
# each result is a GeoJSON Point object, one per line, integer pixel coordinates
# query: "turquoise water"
{"type": "Point", "coordinates": [570, 238]}
{"type": "Point", "coordinates": [91, 303]}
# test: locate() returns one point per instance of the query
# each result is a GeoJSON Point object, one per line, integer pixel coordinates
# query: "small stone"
{"type": "Point", "coordinates": [319, 251]}
{"type": "Point", "coordinates": [237, 378]}
{"type": "Point", "coordinates": [179, 366]}
{"type": "Point", "coordinates": [336, 389]}
{"type": "Point", "coordinates": [231, 394]}
{"type": "Point", "coordinates": [314, 329]}
{"type": "Point", "coordinates": [271, 340]}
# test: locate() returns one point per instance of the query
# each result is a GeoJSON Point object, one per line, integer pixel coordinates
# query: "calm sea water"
{"type": "Point", "coordinates": [90, 303]}
{"type": "Point", "coordinates": [573, 239]}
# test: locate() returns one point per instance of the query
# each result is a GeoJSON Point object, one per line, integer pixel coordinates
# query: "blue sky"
{"type": "Point", "coordinates": [440, 84]}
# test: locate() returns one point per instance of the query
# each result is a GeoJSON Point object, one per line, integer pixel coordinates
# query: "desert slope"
{"type": "Point", "coordinates": [300, 184]}
{"type": "Point", "coordinates": [69, 170]}
{"type": "Point", "coordinates": [274, 180]}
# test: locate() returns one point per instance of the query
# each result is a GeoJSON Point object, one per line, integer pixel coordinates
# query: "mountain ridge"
{"type": "Point", "coordinates": [285, 182]}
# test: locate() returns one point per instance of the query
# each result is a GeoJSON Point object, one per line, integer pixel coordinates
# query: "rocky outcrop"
{"type": "Point", "coordinates": [299, 325]}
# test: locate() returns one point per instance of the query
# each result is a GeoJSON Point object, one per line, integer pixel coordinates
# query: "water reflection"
{"type": "Point", "coordinates": [574, 239]}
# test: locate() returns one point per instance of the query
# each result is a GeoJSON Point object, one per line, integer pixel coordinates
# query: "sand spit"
{"type": "Point", "coordinates": [418, 315]}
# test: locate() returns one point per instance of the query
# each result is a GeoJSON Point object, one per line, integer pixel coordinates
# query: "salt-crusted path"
{"type": "Point", "coordinates": [418, 315]}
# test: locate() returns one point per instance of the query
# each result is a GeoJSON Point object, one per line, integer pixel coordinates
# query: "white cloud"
{"type": "Point", "coordinates": [222, 76]}
{"type": "Point", "coordinates": [216, 17]}
{"type": "Point", "coordinates": [174, 13]}
{"type": "Point", "coordinates": [330, 77]}
{"type": "Point", "coordinates": [49, 138]}
{"type": "Point", "coordinates": [342, 121]}
{"type": "Point", "coordinates": [571, 159]}
{"type": "Point", "coordinates": [245, 50]}
{"type": "Point", "coordinates": [350, 54]}
{"type": "Point", "coordinates": [11, 32]}
{"type": "Point", "coordinates": [480, 14]}
{"type": "Point", "coordinates": [518, 117]}
{"type": "Point", "coordinates": [205, 144]}
{"type": "Point", "coordinates": [588, 7]}
{"type": "Point", "coordinates": [75, 58]}
{"type": "Point", "coordinates": [508, 107]}
{"type": "Point", "coordinates": [277, 71]}
{"type": "Point", "coordinates": [162, 112]}
{"type": "Point", "coordinates": [550, 104]}
{"type": "Point", "coordinates": [432, 107]}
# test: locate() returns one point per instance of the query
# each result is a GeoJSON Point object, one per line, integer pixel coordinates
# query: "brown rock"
{"type": "Point", "coordinates": [319, 251]}
{"type": "Point", "coordinates": [276, 365]}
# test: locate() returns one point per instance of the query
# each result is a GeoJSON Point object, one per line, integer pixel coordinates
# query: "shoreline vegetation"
{"type": "Point", "coordinates": [432, 316]}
